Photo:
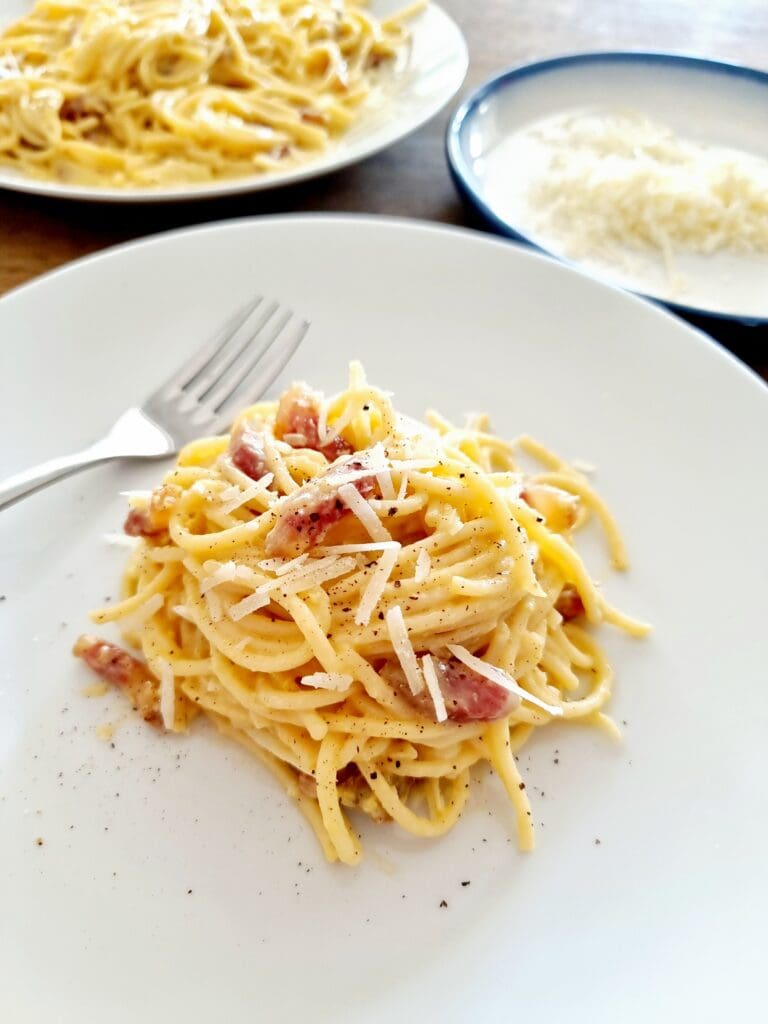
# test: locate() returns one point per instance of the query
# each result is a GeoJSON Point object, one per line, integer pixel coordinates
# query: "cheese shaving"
{"type": "Point", "coordinates": [120, 540]}
{"type": "Point", "coordinates": [327, 681]}
{"type": "Point", "coordinates": [403, 489]}
{"type": "Point", "coordinates": [401, 645]}
{"type": "Point", "coordinates": [376, 585]}
{"type": "Point", "coordinates": [433, 686]}
{"type": "Point", "coordinates": [183, 612]}
{"type": "Point", "coordinates": [248, 494]}
{"type": "Point", "coordinates": [167, 695]}
{"type": "Point", "coordinates": [354, 549]}
{"type": "Point", "coordinates": [384, 480]}
{"type": "Point", "coordinates": [497, 675]}
{"type": "Point", "coordinates": [317, 571]}
{"type": "Point", "coordinates": [360, 508]}
{"type": "Point", "coordinates": [220, 572]}
{"type": "Point", "coordinates": [423, 566]}
{"type": "Point", "coordinates": [249, 604]}
{"type": "Point", "coordinates": [279, 566]}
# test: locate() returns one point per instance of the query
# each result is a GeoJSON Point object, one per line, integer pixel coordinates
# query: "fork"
{"type": "Point", "coordinates": [203, 396]}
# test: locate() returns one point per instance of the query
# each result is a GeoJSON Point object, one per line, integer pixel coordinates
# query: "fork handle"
{"type": "Point", "coordinates": [134, 435]}
{"type": "Point", "coordinates": [18, 486]}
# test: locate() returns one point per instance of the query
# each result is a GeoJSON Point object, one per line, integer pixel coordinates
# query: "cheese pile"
{"type": "Point", "coordinates": [621, 179]}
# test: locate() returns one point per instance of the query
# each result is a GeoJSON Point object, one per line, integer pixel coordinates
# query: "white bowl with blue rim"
{"type": "Point", "coordinates": [706, 101]}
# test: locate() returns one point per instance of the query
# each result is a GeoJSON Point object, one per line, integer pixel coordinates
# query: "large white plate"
{"type": "Point", "coordinates": [704, 100]}
{"type": "Point", "coordinates": [426, 78]}
{"type": "Point", "coordinates": [663, 920]}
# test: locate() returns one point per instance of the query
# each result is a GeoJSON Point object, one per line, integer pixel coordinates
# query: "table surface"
{"type": "Point", "coordinates": [411, 179]}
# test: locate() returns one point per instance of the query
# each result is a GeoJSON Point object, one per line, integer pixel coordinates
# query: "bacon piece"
{"type": "Point", "coordinates": [246, 449]}
{"type": "Point", "coordinates": [569, 603]}
{"type": "Point", "coordinates": [468, 696]}
{"type": "Point", "coordinates": [77, 107]}
{"type": "Point", "coordinates": [297, 423]}
{"type": "Point", "coordinates": [353, 791]}
{"type": "Point", "coordinates": [559, 508]}
{"type": "Point", "coordinates": [152, 520]}
{"type": "Point", "coordinates": [308, 514]}
{"type": "Point", "coordinates": [117, 666]}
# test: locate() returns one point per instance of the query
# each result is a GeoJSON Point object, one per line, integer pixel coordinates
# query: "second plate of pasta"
{"type": "Point", "coordinates": [151, 100]}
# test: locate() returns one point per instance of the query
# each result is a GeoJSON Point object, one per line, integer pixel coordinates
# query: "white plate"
{"type": "Point", "coordinates": [710, 102]}
{"type": "Point", "coordinates": [664, 920]}
{"type": "Point", "coordinates": [429, 75]}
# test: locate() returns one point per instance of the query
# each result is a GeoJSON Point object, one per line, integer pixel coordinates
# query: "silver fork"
{"type": "Point", "coordinates": [202, 397]}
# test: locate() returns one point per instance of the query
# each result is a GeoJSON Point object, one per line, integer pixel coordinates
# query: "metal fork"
{"type": "Point", "coordinates": [202, 397]}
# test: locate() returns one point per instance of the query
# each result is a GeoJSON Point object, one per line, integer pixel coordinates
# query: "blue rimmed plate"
{"type": "Point", "coordinates": [703, 100]}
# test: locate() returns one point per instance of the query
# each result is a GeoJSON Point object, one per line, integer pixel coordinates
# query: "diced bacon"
{"type": "Point", "coordinates": [246, 449]}
{"type": "Point", "coordinates": [353, 791]}
{"type": "Point", "coordinates": [559, 508]}
{"type": "Point", "coordinates": [308, 514]}
{"type": "Point", "coordinates": [297, 422]}
{"type": "Point", "coordinates": [468, 696]}
{"type": "Point", "coordinates": [569, 603]}
{"type": "Point", "coordinates": [77, 107]}
{"type": "Point", "coordinates": [152, 520]}
{"type": "Point", "coordinates": [117, 666]}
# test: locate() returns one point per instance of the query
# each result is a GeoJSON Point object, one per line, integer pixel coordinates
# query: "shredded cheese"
{"type": "Point", "coordinates": [167, 695]}
{"type": "Point", "coordinates": [120, 540]}
{"type": "Point", "coordinates": [497, 675]}
{"type": "Point", "coordinates": [242, 497]}
{"type": "Point", "coordinates": [376, 585]}
{"type": "Point", "coordinates": [615, 178]}
{"type": "Point", "coordinates": [433, 686]}
{"type": "Point", "coordinates": [360, 508]}
{"type": "Point", "coordinates": [354, 549]}
{"type": "Point", "coordinates": [279, 566]}
{"type": "Point", "coordinates": [327, 681]}
{"type": "Point", "coordinates": [403, 648]}
{"type": "Point", "coordinates": [249, 604]}
{"type": "Point", "coordinates": [423, 566]}
{"type": "Point", "coordinates": [183, 612]}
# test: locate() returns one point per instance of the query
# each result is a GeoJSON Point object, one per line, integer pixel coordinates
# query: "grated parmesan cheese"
{"type": "Point", "coordinates": [327, 681]}
{"type": "Point", "coordinates": [423, 566]}
{"type": "Point", "coordinates": [360, 508]}
{"type": "Point", "coordinates": [120, 540]}
{"type": "Point", "coordinates": [403, 648]}
{"type": "Point", "coordinates": [354, 549]}
{"type": "Point", "coordinates": [183, 612]}
{"type": "Point", "coordinates": [249, 604]}
{"type": "Point", "coordinates": [433, 686]}
{"type": "Point", "coordinates": [279, 566]}
{"type": "Point", "coordinates": [241, 497]}
{"type": "Point", "coordinates": [612, 179]}
{"type": "Point", "coordinates": [497, 675]}
{"type": "Point", "coordinates": [376, 585]}
{"type": "Point", "coordinates": [167, 695]}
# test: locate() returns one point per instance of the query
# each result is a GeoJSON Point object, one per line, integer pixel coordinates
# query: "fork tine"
{"type": "Point", "coordinates": [261, 375]}
{"type": "Point", "coordinates": [205, 353]}
{"type": "Point", "coordinates": [249, 355]}
{"type": "Point", "coordinates": [236, 346]}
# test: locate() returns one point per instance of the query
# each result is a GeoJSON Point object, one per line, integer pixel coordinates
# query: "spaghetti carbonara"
{"type": "Point", "coordinates": [370, 604]}
{"type": "Point", "coordinates": [135, 93]}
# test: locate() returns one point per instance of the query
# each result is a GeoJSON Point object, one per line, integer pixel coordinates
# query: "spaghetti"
{"type": "Point", "coordinates": [370, 604]}
{"type": "Point", "coordinates": [142, 93]}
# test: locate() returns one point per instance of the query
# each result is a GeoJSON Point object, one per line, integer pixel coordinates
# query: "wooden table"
{"type": "Point", "coordinates": [411, 179]}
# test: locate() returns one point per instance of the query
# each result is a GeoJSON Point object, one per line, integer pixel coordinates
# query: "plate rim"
{"type": "Point", "coordinates": [464, 179]}
{"type": "Point", "coordinates": [253, 184]}
{"type": "Point", "coordinates": [372, 220]}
